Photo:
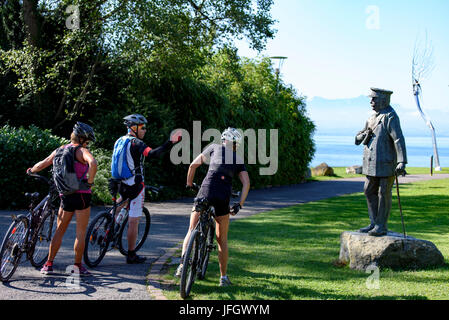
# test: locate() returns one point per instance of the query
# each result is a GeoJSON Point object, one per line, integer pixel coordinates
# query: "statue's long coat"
{"type": "Point", "coordinates": [387, 145]}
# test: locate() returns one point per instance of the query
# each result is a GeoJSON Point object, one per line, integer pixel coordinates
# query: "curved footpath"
{"type": "Point", "coordinates": [113, 279]}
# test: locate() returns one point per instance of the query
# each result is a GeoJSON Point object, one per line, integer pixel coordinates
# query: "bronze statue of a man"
{"type": "Point", "coordinates": [384, 156]}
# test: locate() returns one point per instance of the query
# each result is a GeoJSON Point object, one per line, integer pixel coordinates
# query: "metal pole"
{"type": "Point", "coordinates": [400, 206]}
{"type": "Point", "coordinates": [431, 165]}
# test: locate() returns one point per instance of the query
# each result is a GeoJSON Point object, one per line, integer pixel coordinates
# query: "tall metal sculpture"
{"type": "Point", "coordinates": [422, 65]}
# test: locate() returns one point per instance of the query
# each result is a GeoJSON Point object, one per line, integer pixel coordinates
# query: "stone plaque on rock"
{"type": "Point", "coordinates": [361, 251]}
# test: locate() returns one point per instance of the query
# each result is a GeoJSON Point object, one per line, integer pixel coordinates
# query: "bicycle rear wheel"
{"type": "Point", "coordinates": [98, 237]}
{"type": "Point", "coordinates": [205, 252]}
{"type": "Point", "coordinates": [190, 265]}
{"type": "Point", "coordinates": [142, 233]}
{"type": "Point", "coordinates": [42, 239]}
{"type": "Point", "coordinates": [12, 247]}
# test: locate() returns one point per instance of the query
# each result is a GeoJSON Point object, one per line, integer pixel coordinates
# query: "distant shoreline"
{"type": "Point", "coordinates": [341, 151]}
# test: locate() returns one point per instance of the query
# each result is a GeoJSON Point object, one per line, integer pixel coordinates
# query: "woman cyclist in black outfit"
{"type": "Point", "coordinates": [224, 164]}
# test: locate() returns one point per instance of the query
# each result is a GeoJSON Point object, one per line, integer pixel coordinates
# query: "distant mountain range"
{"type": "Point", "coordinates": [348, 116]}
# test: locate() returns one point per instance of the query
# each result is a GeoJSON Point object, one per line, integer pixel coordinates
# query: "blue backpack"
{"type": "Point", "coordinates": [119, 165]}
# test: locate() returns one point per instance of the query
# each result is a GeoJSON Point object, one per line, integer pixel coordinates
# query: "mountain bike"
{"type": "Point", "coordinates": [105, 232]}
{"type": "Point", "coordinates": [200, 245]}
{"type": "Point", "coordinates": [30, 234]}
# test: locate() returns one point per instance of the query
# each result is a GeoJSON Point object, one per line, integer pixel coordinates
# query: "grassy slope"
{"type": "Point", "coordinates": [289, 253]}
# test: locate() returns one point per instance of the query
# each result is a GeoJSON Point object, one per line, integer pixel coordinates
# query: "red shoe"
{"type": "Point", "coordinates": [47, 268]}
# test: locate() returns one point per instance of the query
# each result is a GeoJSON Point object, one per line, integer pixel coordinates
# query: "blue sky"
{"type": "Point", "coordinates": [335, 51]}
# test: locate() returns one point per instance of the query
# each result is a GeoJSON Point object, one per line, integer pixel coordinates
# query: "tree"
{"type": "Point", "coordinates": [57, 69]}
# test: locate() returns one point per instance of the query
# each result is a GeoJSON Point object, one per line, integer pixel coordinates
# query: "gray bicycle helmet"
{"type": "Point", "coordinates": [134, 120]}
{"type": "Point", "coordinates": [82, 130]}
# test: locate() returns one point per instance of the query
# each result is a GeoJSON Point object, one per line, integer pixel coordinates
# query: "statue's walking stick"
{"type": "Point", "coordinates": [400, 207]}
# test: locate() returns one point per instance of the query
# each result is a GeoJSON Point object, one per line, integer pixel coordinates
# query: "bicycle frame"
{"type": "Point", "coordinates": [28, 232]}
{"type": "Point", "coordinates": [114, 230]}
{"type": "Point", "coordinates": [200, 244]}
{"type": "Point", "coordinates": [105, 234]}
{"type": "Point", "coordinates": [206, 221]}
{"type": "Point", "coordinates": [34, 215]}
{"type": "Point", "coordinates": [36, 212]}
{"type": "Point", "coordinates": [120, 205]}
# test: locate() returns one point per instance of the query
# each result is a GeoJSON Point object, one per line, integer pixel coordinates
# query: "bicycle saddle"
{"type": "Point", "coordinates": [201, 204]}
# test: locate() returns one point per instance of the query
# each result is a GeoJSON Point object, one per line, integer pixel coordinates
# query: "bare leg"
{"type": "Point", "coordinates": [64, 218]}
{"type": "Point", "coordinates": [221, 231]}
{"type": "Point", "coordinates": [82, 220]}
{"type": "Point", "coordinates": [133, 228]}
{"type": "Point", "coordinates": [194, 217]}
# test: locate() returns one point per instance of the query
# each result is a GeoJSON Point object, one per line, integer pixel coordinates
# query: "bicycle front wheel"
{"type": "Point", "coordinates": [42, 239]}
{"type": "Point", "coordinates": [12, 247]}
{"type": "Point", "coordinates": [98, 237]}
{"type": "Point", "coordinates": [189, 265]}
{"type": "Point", "coordinates": [142, 232]}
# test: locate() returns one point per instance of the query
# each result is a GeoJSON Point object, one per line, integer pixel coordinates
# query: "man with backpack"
{"type": "Point", "coordinates": [127, 165]}
{"type": "Point", "coordinates": [74, 170]}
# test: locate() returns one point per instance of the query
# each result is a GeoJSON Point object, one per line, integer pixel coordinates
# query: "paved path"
{"type": "Point", "coordinates": [113, 279]}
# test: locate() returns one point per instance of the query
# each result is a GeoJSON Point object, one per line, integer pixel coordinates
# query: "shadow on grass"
{"type": "Point", "coordinates": [263, 287]}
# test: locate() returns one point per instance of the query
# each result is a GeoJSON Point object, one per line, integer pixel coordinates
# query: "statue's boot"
{"type": "Point", "coordinates": [368, 228]}
{"type": "Point", "coordinates": [378, 231]}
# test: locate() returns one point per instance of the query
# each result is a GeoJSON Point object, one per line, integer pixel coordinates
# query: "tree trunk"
{"type": "Point", "coordinates": [31, 21]}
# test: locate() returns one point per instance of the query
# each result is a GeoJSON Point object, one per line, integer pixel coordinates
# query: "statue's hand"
{"type": "Point", "coordinates": [360, 137]}
{"type": "Point", "coordinates": [400, 169]}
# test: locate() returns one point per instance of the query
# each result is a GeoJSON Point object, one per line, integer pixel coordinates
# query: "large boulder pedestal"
{"type": "Point", "coordinates": [361, 251]}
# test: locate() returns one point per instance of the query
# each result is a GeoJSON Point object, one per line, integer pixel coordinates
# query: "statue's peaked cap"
{"type": "Point", "coordinates": [376, 92]}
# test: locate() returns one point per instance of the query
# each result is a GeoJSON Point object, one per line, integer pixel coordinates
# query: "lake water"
{"type": "Point", "coordinates": [340, 151]}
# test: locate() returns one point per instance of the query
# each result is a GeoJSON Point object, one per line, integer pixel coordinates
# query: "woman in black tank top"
{"type": "Point", "coordinates": [224, 165]}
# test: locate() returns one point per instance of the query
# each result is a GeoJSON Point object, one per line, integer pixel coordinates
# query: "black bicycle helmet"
{"type": "Point", "coordinates": [134, 120]}
{"type": "Point", "coordinates": [82, 130]}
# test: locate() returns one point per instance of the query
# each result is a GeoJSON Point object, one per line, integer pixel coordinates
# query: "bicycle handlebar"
{"type": "Point", "coordinates": [38, 176]}
{"type": "Point", "coordinates": [235, 194]}
{"type": "Point", "coordinates": [154, 189]}
{"type": "Point", "coordinates": [195, 187]}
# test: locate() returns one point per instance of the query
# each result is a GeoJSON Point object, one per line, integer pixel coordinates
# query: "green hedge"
{"type": "Point", "coordinates": [21, 148]}
{"type": "Point", "coordinates": [229, 91]}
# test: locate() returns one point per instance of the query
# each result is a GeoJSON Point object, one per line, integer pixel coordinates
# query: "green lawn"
{"type": "Point", "coordinates": [290, 253]}
{"type": "Point", "coordinates": [340, 172]}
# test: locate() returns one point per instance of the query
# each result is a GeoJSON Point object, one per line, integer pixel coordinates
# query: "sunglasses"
{"type": "Point", "coordinates": [143, 128]}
